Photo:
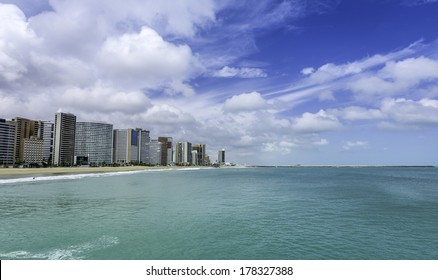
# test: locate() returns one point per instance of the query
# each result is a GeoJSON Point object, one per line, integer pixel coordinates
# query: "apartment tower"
{"type": "Point", "coordinates": [64, 146]}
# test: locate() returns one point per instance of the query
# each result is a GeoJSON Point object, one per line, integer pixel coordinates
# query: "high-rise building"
{"type": "Point", "coordinates": [200, 153]}
{"type": "Point", "coordinates": [128, 145]}
{"type": "Point", "coordinates": [48, 133]}
{"type": "Point", "coordinates": [64, 146]}
{"type": "Point", "coordinates": [33, 150]}
{"type": "Point", "coordinates": [183, 153]}
{"type": "Point", "coordinates": [25, 129]}
{"type": "Point", "coordinates": [93, 143]}
{"type": "Point", "coordinates": [221, 157]}
{"type": "Point", "coordinates": [7, 141]}
{"type": "Point", "coordinates": [195, 157]}
{"type": "Point", "coordinates": [152, 153]}
{"type": "Point", "coordinates": [166, 150]}
{"type": "Point", "coordinates": [143, 148]}
{"type": "Point", "coordinates": [122, 145]}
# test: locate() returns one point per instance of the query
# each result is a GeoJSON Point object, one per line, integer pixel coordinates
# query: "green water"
{"type": "Point", "coordinates": [247, 213]}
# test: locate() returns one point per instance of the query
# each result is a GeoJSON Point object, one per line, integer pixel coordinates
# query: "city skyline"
{"type": "Point", "coordinates": [272, 82]}
{"type": "Point", "coordinates": [68, 142]}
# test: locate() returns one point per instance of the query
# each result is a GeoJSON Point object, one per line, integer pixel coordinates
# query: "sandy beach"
{"type": "Point", "coordinates": [9, 173]}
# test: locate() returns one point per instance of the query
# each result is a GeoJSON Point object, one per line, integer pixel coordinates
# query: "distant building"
{"type": "Point", "coordinates": [64, 140]}
{"type": "Point", "coordinates": [143, 140]}
{"type": "Point", "coordinates": [195, 159]}
{"type": "Point", "coordinates": [183, 153]}
{"type": "Point", "coordinates": [33, 150]}
{"type": "Point", "coordinates": [94, 143]}
{"type": "Point", "coordinates": [152, 153]}
{"type": "Point", "coordinates": [129, 145]}
{"type": "Point", "coordinates": [7, 141]}
{"type": "Point", "coordinates": [48, 134]}
{"type": "Point", "coordinates": [122, 145]}
{"type": "Point", "coordinates": [166, 150]}
{"type": "Point", "coordinates": [25, 129]}
{"type": "Point", "coordinates": [221, 157]}
{"type": "Point", "coordinates": [200, 153]}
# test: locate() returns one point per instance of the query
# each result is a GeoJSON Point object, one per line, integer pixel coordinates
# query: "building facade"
{"type": "Point", "coordinates": [152, 153]}
{"type": "Point", "coordinates": [221, 157]}
{"type": "Point", "coordinates": [94, 143]}
{"type": "Point", "coordinates": [200, 153]}
{"type": "Point", "coordinates": [25, 129]}
{"type": "Point", "coordinates": [122, 143]}
{"type": "Point", "coordinates": [143, 140]}
{"type": "Point", "coordinates": [64, 139]}
{"type": "Point", "coordinates": [7, 142]}
{"type": "Point", "coordinates": [48, 132]}
{"type": "Point", "coordinates": [33, 151]}
{"type": "Point", "coordinates": [166, 150]}
{"type": "Point", "coordinates": [183, 153]}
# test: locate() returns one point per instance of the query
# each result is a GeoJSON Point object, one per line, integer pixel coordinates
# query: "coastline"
{"type": "Point", "coordinates": [15, 173]}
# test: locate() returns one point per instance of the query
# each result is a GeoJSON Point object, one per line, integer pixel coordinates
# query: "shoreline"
{"type": "Point", "coordinates": [16, 173]}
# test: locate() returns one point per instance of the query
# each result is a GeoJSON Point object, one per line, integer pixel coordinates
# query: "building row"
{"type": "Point", "coordinates": [67, 142]}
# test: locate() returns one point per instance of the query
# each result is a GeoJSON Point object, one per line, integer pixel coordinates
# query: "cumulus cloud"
{"type": "Point", "coordinates": [357, 113]}
{"type": "Point", "coordinates": [396, 78]}
{"type": "Point", "coordinates": [244, 72]}
{"type": "Point", "coordinates": [145, 60]}
{"type": "Point", "coordinates": [245, 102]}
{"type": "Point", "coordinates": [103, 99]}
{"type": "Point", "coordinates": [315, 123]}
{"type": "Point", "coordinates": [410, 112]}
{"type": "Point", "coordinates": [15, 38]}
{"type": "Point", "coordinates": [308, 71]}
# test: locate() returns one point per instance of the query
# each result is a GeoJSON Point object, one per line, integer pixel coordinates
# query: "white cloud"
{"type": "Point", "coordinates": [182, 18]}
{"type": "Point", "coordinates": [245, 72]}
{"type": "Point", "coordinates": [356, 113]}
{"type": "Point", "coordinates": [402, 77]}
{"type": "Point", "coordinates": [308, 71]}
{"type": "Point", "coordinates": [350, 145]}
{"type": "Point", "coordinates": [314, 123]}
{"type": "Point", "coordinates": [281, 146]}
{"type": "Point", "coordinates": [166, 115]}
{"type": "Point", "coordinates": [103, 100]}
{"type": "Point", "coordinates": [245, 102]}
{"type": "Point", "coordinates": [15, 38]}
{"type": "Point", "coordinates": [296, 143]}
{"type": "Point", "coordinates": [145, 60]}
{"type": "Point", "coordinates": [409, 112]}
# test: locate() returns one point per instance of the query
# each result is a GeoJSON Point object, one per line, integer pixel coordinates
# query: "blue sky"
{"type": "Point", "coordinates": [272, 82]}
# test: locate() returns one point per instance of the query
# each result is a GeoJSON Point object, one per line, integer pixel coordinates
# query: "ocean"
{"type": "Point", "coordinates": [307, 213]}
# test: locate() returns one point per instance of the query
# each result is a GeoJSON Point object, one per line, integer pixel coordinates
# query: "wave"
{"type": "Point", "coordinates": [73, 252]}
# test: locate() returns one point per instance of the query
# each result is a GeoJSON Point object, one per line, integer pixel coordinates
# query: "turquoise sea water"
{"type": "Point", "coordinates": [242, 213]}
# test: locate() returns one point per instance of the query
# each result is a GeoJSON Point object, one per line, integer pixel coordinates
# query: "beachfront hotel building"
{"type": "Point", "coordinates": [33, 150]}
{"type": "Point", "coordinates": [152, 153]}
{"type": "Point", "coordinates": [25, 129]}
{"type": "Point", "coordinates": [200, 154]}
{"type": "Point", "coordinates": [7, 141]}
{"type": "Point", "coordinates": [48, 133]}
{"type": "Point", "coordinates": [143, 149]}
{"type": "Point", "coordinates": [221, 156]}
{"type": "Point", "coordinates": [183, 153]}
{"type": "Point", "coordinates": [129, 145]}
{"type": "Point", "coordinates": [93, 143]}
{"type": "Point", "coordinates": [166, 150]}
{"type": "Point", "coordinates": [64, 140]}
{"type": "Point", "coordinates": [195, 158]}
{"type": "Point", "coordinates": [122, 145]}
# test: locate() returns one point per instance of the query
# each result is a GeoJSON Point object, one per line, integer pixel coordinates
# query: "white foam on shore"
{"type": "Point", "coordinates": [87, 175]}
